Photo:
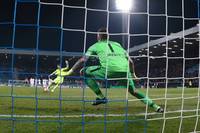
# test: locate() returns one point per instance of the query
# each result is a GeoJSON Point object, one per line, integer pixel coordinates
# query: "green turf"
{"type": "Point", "coordinates": [68, 103]}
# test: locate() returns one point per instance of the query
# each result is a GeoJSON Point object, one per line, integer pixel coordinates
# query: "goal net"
{"type": "Point", "coordinates": [161, 37]}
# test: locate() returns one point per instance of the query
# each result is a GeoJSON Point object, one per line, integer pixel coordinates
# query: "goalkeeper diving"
{"type": "Point", "coordinates": [60, 73]}
{"type": "Point", "coordinates": [114, 62]}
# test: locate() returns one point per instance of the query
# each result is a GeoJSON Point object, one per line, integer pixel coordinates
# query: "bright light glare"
{"type": "Point", "coordinates": [124, 5]}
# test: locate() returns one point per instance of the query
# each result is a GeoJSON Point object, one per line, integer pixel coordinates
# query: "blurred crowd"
{"type": "Point", "coordinates": [154, 76]}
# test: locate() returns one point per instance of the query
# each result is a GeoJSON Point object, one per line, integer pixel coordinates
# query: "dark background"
{"type": "Point", "coordinates": [28, 25]}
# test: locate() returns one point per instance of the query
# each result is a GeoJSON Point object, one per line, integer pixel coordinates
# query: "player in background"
{"type": "Point", "coordinates": [38, 82]}
{"type": "Point", "coordinates": [59, 73]}
{"type": "Point", "coordinates": [44, 83]}
{"type": "Point", "coordinates": [114, 63]}
{"type": "Point", "coordinates": [32, 81]}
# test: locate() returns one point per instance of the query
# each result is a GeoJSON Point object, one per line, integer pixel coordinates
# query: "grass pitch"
{"type": "Point", "coordinates": [26, 109]}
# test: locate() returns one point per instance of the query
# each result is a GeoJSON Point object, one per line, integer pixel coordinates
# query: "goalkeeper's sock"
{"type": "Point", "coordinates": [146, 100]}
{"type": "Point", "coordinates": [94, 86]}
{"type": "Point", "coordinates": [155, 106]}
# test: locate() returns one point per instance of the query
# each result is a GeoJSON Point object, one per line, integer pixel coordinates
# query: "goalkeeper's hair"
{"type": "Point", "coordinates": [103, 33]}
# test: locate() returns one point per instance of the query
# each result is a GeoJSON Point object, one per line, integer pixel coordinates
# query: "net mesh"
{"type": "Point", "coordinates": [161, 37]}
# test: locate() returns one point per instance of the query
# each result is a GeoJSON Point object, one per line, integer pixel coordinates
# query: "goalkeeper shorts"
{"type": "Point", "coordinates": [98, 72]}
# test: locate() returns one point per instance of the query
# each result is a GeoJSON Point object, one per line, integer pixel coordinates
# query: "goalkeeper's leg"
{"type": "Point", "coordinates": [91, 73]}
{"type": "Point", "coordinates": [55, 86]}
{"type": "Point", "coordinates": [92, 84]}
{"type": "Point", "coordinates": [50, 85]}
{"type": "Point", "coordinates": [145, 99]}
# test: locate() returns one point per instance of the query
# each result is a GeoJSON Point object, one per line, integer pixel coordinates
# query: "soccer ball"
{"type": "Point", "coordinates": [46, 89]}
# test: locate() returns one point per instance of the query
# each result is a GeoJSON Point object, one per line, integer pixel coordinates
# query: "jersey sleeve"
{"type": "Point", "coordinates": [91, 50]}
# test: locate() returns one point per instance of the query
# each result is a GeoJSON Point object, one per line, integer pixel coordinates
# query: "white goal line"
{"type": "Point", "coordinates": [103, 115]}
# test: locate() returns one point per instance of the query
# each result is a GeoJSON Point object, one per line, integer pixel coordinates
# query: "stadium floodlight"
{"type": "Point", "coordinates": [190, 43]}
{"type": "Point", "coordinates": [176, 46]}
{"type": "Point", "coordinates": [124, 5]}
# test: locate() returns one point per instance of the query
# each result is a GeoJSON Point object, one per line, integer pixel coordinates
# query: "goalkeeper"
{"type": "Point", "coordinates": [114, 63]}
{"type": "Point", "coordinates": [60, 73]}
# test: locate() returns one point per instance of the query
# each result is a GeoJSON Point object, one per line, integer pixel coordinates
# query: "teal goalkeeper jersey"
{"type": "Point", "coordinates": [111, 55]}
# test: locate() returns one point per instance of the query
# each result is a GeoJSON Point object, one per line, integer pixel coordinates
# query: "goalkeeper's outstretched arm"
{"type": "Point", "coordinates": [78, 64]}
